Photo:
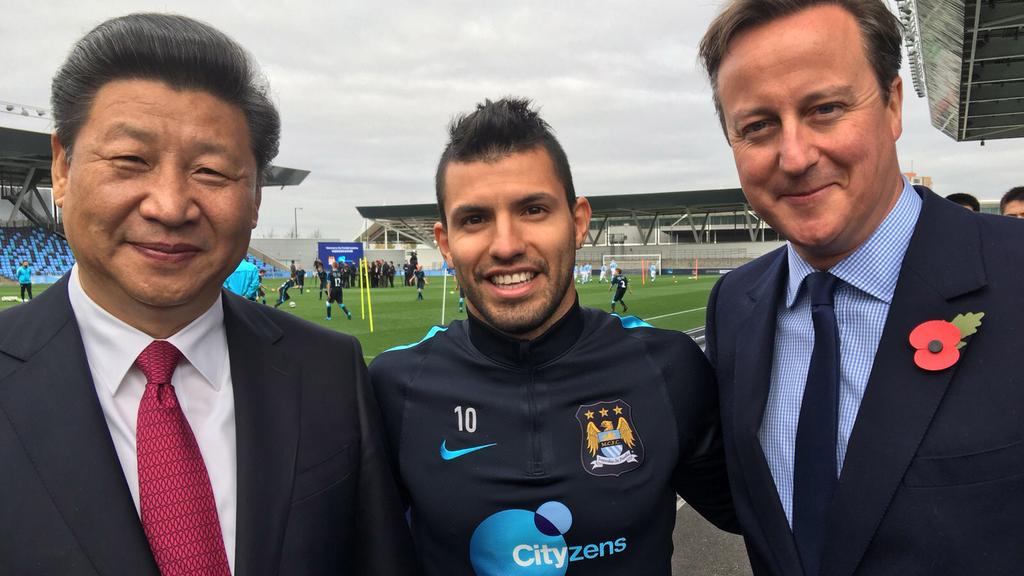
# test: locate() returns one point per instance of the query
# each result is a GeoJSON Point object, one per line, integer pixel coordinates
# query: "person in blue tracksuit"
{"type": "Point", "coordinates": [244, 281]}
{"type": "Point", "coordinates": [25, 280]}
{"type": "Point", "coordinates": [518, 448]}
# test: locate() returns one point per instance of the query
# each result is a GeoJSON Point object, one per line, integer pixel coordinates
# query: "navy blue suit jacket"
{"type": "Point", "coordinates": [315, 494]}
{"type": "Point", "coordinates": [933, 481]}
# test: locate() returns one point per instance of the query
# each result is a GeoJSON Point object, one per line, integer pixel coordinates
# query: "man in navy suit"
{"type": "Point", "coordinates": [868, 372]}
{"type": "Point", "coordinates": [150, 422]}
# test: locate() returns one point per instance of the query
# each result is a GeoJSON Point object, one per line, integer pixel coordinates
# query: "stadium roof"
{"type": "Point", "coordinates": [967, 56]}
{"type": "Point", "coordinates": [25, 158]}
{"type": "Point", "coordinates": [416, 221]}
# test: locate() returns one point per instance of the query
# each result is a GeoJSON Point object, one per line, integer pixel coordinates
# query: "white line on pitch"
{"type": "Point", "coordinates": [676, 313]}
{"type": "Point", "coordinates": [679, 503]}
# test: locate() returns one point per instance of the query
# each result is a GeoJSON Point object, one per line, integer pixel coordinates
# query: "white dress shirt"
{"type": "Point", "coordinates": [202, 383]}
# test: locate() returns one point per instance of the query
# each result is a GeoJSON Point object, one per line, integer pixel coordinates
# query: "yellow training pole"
{"type": "Point", "coordinates": [362, 311]}
{"type": "Point", "coordinates": [369, 299]}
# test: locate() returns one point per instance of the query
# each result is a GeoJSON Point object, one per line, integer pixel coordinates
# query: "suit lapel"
{"type": "Point", "coordinates": [51, 402]}
{"type": "Point", "coordinates": [267, 391]}
{"type": "Point", "coordinates": [900, 398]}
{"type": "Point", "coordinates": [753, 382]}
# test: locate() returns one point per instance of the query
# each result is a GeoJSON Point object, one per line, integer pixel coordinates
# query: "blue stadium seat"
{"type": "Point", "coordinates": [48, 254]}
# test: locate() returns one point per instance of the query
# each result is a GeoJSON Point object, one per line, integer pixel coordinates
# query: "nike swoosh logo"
{"type": "Point", "coordinates": [447, 454]}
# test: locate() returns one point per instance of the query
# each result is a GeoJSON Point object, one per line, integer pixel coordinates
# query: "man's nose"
{"type": "Point", "coordinates": [169, 198]}
{"type": "Point", "coordinates": [507, 242]}
{"type": "Point", "coordinates": [797, 149]}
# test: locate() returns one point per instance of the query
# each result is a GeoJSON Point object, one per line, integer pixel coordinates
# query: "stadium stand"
{"type": "Point", "coordinates": [50, 257]}
{"type": "Point", "coordinates": [47, 253]}
{"type": "Point", "coordinates": [271, 270]}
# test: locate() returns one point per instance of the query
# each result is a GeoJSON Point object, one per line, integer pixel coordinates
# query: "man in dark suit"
{"type": "Point", "coordinates": [868, 372]}
{"type": "Point", "coordinates": [151, 423]}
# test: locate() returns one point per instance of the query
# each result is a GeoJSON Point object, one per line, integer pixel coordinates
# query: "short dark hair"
{"type": "Point", "coordinates": [1012, 195]}
{"type": "Point", "coordinates": [496, 130]}
{"type": "Point", "coordinates": [880, 28]}
{"type": "Point", "coordinates": [185, 54]}
{"type": "Point", "coordinates": [964, 199]}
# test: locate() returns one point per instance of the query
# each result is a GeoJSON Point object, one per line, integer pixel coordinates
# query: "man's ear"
{"type": "Point", "coordinates": [58, 170]}
{"type": "Point", "coordinates": [441, 237]}
{"type": "Point", "coordinates": [895, 106]}
{"type": "Point", "coordinates": [581, 213]}
{"type": "Point", "coordinates": [256, 205]}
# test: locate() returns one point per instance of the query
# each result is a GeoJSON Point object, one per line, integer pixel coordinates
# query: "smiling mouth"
{"type": "Point", "coordinates": [167, 248]}
{"type": "Point", "coordinates": [809, 191]}
{"type": "Point", "coordinates": [166, 253]}
{"type": "Point", "coordinates": [511, 280]}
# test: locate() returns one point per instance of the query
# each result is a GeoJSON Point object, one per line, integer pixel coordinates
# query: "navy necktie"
{"type": "Point", "coordinates": [815, 470]}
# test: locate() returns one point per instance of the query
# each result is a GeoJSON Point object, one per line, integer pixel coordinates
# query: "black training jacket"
{"type": "Point", "coordinates": [561, 455]}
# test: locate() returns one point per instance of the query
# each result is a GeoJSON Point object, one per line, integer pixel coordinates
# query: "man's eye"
{"type": "Point", "coordinates": [754, 127]}
{"type": "Point", "coordinates": [827, 109]}
{"type": "Point", "coordinates": [534, 210]}
{"type": "Point", "coordinates": [129, 159]}
{"type": "Point", "coordinates": [471, 220]}
{"type": "Point", "coordinates": [209, 172]}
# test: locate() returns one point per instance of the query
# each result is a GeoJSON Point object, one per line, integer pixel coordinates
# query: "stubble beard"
{"type": "Point", "coordinates": [521, 318]}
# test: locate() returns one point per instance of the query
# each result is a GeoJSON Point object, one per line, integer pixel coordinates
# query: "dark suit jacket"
{"type": "Point", "coordinates": [315, 494]}
{"type": "Point", "coordinates": [933, 481]}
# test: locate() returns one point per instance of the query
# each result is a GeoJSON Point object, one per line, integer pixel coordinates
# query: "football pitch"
{"type": "Point", "coordinates": [398, 318]}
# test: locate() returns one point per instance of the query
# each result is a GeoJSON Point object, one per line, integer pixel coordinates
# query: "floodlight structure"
{"type": "Point", "coordinates": [967, 58]}
{"type": "Point", "coordinates": [24, 110]}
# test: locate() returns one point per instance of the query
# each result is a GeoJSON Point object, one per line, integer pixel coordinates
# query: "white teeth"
{"type": "Point", "coordinates": [508, 279]}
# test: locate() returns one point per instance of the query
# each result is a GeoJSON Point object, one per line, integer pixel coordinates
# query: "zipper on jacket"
{"type": "Point", "coordinates": [535, 465]}
{"type": "Point", "coordinates": [536, 460]}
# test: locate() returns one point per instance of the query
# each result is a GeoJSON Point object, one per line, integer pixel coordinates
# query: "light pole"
{"type": "Point", "coordinates": [296, 213]}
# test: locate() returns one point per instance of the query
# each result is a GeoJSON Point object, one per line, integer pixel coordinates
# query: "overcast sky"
{"type": "Point", "coordinates": [366, 90]}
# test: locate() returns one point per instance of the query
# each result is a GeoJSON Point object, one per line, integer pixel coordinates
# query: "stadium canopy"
{"type": "Point", "coordinates": [967, 57]}
{"type": "Point", "coordinates": [25, 158]}
{"type": "Point", "coordinates": [692, 209]}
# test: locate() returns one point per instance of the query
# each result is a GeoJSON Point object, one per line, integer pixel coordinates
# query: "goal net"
{"type": "Point", "coordinates": [632, 264]}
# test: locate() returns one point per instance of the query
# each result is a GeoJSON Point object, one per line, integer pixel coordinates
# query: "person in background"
{"type": "Point", "coordinates": [1012, 203]}
{"type": "Point", "coordinates": [244, 281]}
{"type": "Point", "coordinates": [421, 281]}
{"type": "Point", "coordinates": [262, 290]}
{"type": "Point", "coordinates": [321, 275]}
{"type": "Point", "coordinates": [965, 200]}
{"type": "Point", "coordinates": [24, 274]}
{"type": "Point", "coordinates": [336, 281]}
{"type": "Point", "coordinates": [282, 292]}
{"type": "Point", "coordinates": [620, 282]}
{"type": "Point", "coordinates": [300, 278]}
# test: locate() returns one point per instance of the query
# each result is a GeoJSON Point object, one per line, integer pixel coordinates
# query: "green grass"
{"type": "Point", "coordinates": [399, 319]}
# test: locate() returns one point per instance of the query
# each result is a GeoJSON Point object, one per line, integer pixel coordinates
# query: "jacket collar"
{"type": "Point", "coordinates": [528, 353]}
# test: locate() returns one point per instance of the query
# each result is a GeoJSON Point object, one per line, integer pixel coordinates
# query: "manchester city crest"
{"type": "Point", "coordinates": [611, 445]}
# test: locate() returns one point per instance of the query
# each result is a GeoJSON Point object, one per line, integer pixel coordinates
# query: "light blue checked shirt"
{"type": "Point", "coordinates": [861, 303]}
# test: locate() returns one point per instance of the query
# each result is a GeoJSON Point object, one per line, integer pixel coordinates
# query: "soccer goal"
{"type": "Point", "coordinates": [632, 264]}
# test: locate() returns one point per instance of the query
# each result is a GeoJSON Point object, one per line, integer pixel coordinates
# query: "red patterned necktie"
{"type": "Point", "coordinates": [179, 514]}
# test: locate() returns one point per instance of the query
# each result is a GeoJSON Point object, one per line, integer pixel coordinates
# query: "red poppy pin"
{"type": "Point", "coordinates": [938, 342]}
